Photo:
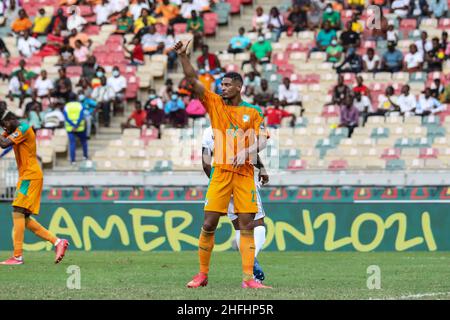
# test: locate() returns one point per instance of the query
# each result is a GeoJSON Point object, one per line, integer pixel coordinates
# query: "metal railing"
{"type": "Point", "coordinates": [8, 178]}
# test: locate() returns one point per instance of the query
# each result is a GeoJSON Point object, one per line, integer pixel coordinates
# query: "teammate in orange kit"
{"type": "Point", "coordinates": [27, 200]}
{"type": "Point", "coordinates": [239, 134]}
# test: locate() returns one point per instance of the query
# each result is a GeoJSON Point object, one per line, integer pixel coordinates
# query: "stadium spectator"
{"type": "Point", "coordinates": [407, 102]}
{"type": "Point", "coordinates": [83, 37]}
{"type": "Point", "coordinates": [136, 8]}
{"type": "Point", "coordinates": [167, 13]}
{"type": "Point", "coordinates": [423, 44]}
{"type": "Point", "coordinates": [392, 59]}
{"type": "Point", "coordinates": [58, 22]}
{"type": "Point", "coordinates": [276, 23]}
{"type": "Point", "coordinates": [124, 24]}
{"type": "Point", "coordinates": [29, 104]}
{"type": "Point", "coordinates": [251, 82]}
{"type": "Point", "coordinates": [75, 20]}
{"type": "Point", "coordinates": [75, 126]}
{"type": "Point", "coordinates": [259, 20]}
{"type": "Point", "coordinates": [144, 21]}
{"type": "Point", "coordinates": [275, 114]}
{"type": "Point", "coordinates": [88, 68]}
{"type": "Point", "coordinates": [103, 11]}
{"type": "Point", "coordinates": [34, 116]}
{"type": "Point", "coordinates": [63, 84]}
{"type": "Point", "coordinates": [332, 16]}
{"type": "Point", "coordinates": [340, 91]}
{"type": "Point", "coordinates": [85, 87]}
{"type": "Point", "coordinates": [186, 10]}
{"type": "Point", "coordinates": [428, 104]}
{"type": "Point", "coordinates": [349, 115]}
{"type": "Point", "coordinates": [297, 19]}
{"type": "Point", "coordinates": [445, 96]}
{"type": "Point", "coordinates": [437, 88]}
{"type": "Point", "coordinates": [209, 60]}
{"type": "Point", "coordinates": [352, 62]}
{"type": "Point", "coordinates": [363, 105]}
{"type": "Point", "coordinates": [152, 42]}
{"type": "Point", "coordinates": [324, 37]}
{"type": "Point", "coordinates": [391, 33]}
{"type": "Point", "coordinates": [387, 103]}
{"type": "Point", "coordinates": [195, 109]}
{"type": "Point", "coordinates": [206, 79]}
{"type": "Point", "coordinates": [175, 111]}
{"type": "Point", "coordinates": [165, 92]}
{"type": "Point", "coordinates": [400, 8]}
{"type": "Point", "coordinates": [349, 38]}
{"type": "Point", "coordinates": [28, 74]}
{"type": "Point", "coordinates": [137, 118]}
{"type": "Point", "coordinates": [262, 49]}
{"type": "Point", "coordinates": [136, 55]}
{"type": "Point", "coordinates": [169, 42]}
{"type": "Point", "coordinates": [361, 87]}
{"type": "Point", "coordinates": [53, 116]}
{"type": "Point", "coordinates": [240, 43]}
{"type": "Point", "coordinates": [19, 88]}
{"type": "Point", "coordinates": [379, 32]}
{"type": "Point", "coordinates": [104, 95]}
{"type": "Point", "coordinates": [252, 64]}
{"type": "Point", "coordinates": [22, 23]}
{"type": "Point", "coordinates": [435, 57]}
{"type": "Point", "coordinates": [155, 112]}
{"type": "Point", "coordinates": [43, 85]}
{"type": "Point", "coordinates": [196, 27]}
{"type": "Point", "coordinates": [315, 13]}
{"type": "Point", "coordinates": [288, 94]}
{"type": "Point", "coordinates": [4, 52]}
{"type": "Point", "coordinates": [66, 57]}
{"type": "Point", "coordinates": [357, 26]}
{"type": "Point", "coordinates": [439, 8]}
{"type": "Point", "coordinates": [264, 95]}
{"type": "Point", "coordinates": [334, 51]}
{"type": "Point", "coordinates": [80, 53]}
{"type": "Point", "coordinates": [371, 61]}
{"type": "Point", "coordinates": [119, 5]}
{"type": "Point", "coordinates": [444, 44]}
{"type": "Point", "coordinates": [119, 84]}
{"type": "Point", "coordinates": [27, 45]}
{"type": "Point", "coordinates": [54, 43]}
{"type": "Point", "coordinates": [413, 61]}
{"type": "Point", "coordinates": [90, 112]}
{"type": "Point", "coordinates": [41, 23]}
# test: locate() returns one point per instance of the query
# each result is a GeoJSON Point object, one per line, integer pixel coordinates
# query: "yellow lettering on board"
{"type": "Point", "coordinates": [219, 247]}
{"type": "Point", "coordinates": [89, 223]}
{"type": "Point", "coordinates": [270, 231]}
{"type": "Point", "coordinates": [354, 232]}
{"type": "Point", "coordinates": [175, 234]}
{"type": "Point", "coordinates": [306, 238]}
{"type": "Point", "coordinates": [330, 244]}
{"type": "Point", "coordinates": [140, 230]}
{"type": "Point", "coordinates": [55, 227]}
{"type": "Point", "coordinates": [428, 232]}
{"type": "Point", "coordinates": [401, 244]}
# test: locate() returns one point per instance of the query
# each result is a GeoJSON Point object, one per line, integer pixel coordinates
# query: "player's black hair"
{"type": "Point", "coordinates": [234, 76]}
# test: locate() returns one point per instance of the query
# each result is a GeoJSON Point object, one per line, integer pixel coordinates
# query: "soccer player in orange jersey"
{"type": "Point", "coordinates": [29, 188]}
{"type": "Point", "coordinates": [239, 135]}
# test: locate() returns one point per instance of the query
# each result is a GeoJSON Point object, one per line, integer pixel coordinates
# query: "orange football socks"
{"type": "Point", "coordinates": [18, 233]}
{"type": "Point", "coordinates": [247, 249]}
{"type": "Point", "coordinates": [205, 248]}
{"type": "Point", "coordinates": [40, 231]}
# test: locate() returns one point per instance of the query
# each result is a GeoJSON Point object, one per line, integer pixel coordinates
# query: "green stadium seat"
{"type": "Point", "coordinates": [380, 133]}
{"type": "Point", "coordinates": [435, 131]}
{"type": "Point", "coordinates": [336, 135]}
{"type": "Point", "coordinates": [86, 166]}
{"type": "Point", "coordinates": [431, 120]}
{"type": "Point", "coordinates": [418, 77]}
{"type": "Point", "coordinates": [163, 165]}
{"type": "Point", "coordinates": [405, 143]}
{"type": "Point", "coordinates": [301, 122]}
{"type": "Point", "coordinates": [423, 142]}
{"type": "Point", "coordinates": [323, 145]}
{"type": "Point", "coordinates": [290, 153]}
{"type": "Point", "coordinates": [395, 164]}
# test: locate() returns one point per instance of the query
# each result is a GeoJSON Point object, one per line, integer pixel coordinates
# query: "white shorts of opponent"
{"type": "Point", "coordinates": [259, 215]}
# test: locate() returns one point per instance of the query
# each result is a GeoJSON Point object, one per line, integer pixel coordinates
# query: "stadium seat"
{"type": "Point", "coordinates": [391, 153]}
{"type": "Point", "coordinates": [395, 164]}
{"type": "Point", "coordinates": [428, 153]}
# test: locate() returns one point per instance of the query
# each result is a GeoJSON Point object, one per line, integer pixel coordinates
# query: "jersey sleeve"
{"type": "Point", "coordinates": [211, 101]}
{"type": "Point", "coordinates": [20, 134]}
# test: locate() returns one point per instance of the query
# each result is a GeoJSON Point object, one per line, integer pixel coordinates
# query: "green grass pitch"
{"type": "Point", "coordinates": [163, 275]}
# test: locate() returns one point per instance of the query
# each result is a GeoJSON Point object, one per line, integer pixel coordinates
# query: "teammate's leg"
{"type": "Point", "coordinates": [260, 235]}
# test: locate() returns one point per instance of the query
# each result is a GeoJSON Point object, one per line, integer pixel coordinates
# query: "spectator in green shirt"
{"type": "Point", "coordinates": [334, 51]}
{"type": "Point", "coordinates": [332, 16]}
{"type": "Point", "coordinates": [124, 22]}
{"type": "Point", "coordinates": [196, 27]}
{"type": "Point", "coordinates": [262, 49]}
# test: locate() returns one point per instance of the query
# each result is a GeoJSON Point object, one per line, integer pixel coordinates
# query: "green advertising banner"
{"type": "Point", "coordinates": [419, 225]}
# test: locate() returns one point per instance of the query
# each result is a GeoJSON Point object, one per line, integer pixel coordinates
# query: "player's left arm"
{"type": "Point", "coordinates": [5, 142]}
{"type": "Point", "coordinates": [263, 177]}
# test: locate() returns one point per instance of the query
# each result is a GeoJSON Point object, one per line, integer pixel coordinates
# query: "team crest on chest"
{"type": "Point", "coordinates": [246, 118]}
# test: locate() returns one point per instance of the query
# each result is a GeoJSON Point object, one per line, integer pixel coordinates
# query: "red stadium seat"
{"type": "Point", "coordinates": [232, 68]}
{"type": "Point", "coordinates": [235, 6]}
{"type": "Point", "coordinates": [210, 16]}
{"type": "Point", "coordinates": [180, 28]}
{"type": "Point", "coordinates": [44, 134]}
{"type": "Point", "coordinates": [297, 47]}
{"type": "Point", "coordinates": [297, 165]}
{"type": "Point", "coordinates": [408, 24]}
{"type": "Point", "coordinates": [312, 78]}
{"type": "Point", "coordinates": [444, 23]}
{"type": "Point", "coordinates": [161, 28]}
{"type": "Point", "coordinates": [391, 153]}
{"type": "Point", "coordinates": [330, 111]}
{"type": "Point", "coordinates": [74, 71]}
{"type": "Point", "coordinates": [210, 27]}
{"type": "Point", "coordinates": [336, 165]}
{"type": "Point", "coordinates": [280, 58]}
{"type": "Point", "coordinates": [428, 153]}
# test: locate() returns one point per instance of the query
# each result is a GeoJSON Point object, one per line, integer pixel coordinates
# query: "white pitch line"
{"type": "Point", "coordinates": [415, 296]}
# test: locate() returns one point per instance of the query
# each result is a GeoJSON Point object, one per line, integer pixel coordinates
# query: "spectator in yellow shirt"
{"type": "Point", "coordinates": [357, 4]}
{"type": "Point", "coordinates": [41, 23]}
{"type": "Point", "coordinates": [144, 20]}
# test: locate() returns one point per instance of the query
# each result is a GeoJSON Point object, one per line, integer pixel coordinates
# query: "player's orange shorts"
{"type": "Point", "coordinates": [28, 195]}
{"type": "Point", "coordinates": [223, 184]}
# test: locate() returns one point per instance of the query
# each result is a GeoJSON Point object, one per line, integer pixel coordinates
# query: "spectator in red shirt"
{"type": "Point", "coordinates": [275, 115]}
{"type": "Point", "coordinates": [138, 115]}
{"type": "Point", "coordinates": [209, 60]}
{"type": "Point", "coordinates": [137, 54]}
{"type": "Point", "coordinates": [361, 87]}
